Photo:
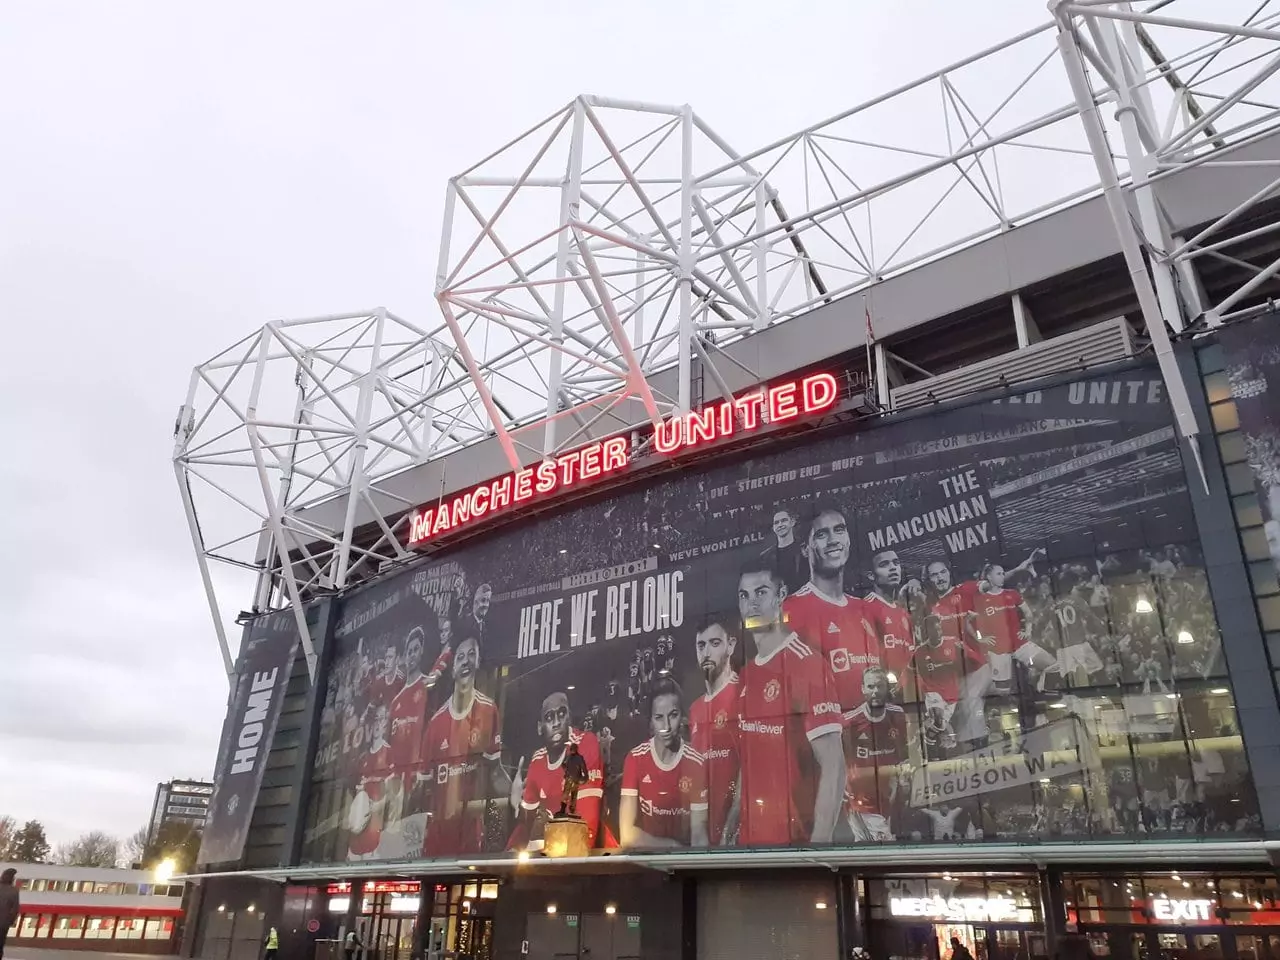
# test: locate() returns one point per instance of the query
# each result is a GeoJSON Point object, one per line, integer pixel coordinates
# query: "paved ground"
{"type": "Point", "coordinates": [27, 953]}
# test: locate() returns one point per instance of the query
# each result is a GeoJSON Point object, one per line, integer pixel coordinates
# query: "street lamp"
{"type": "Point", "coordinates": [165, 870]}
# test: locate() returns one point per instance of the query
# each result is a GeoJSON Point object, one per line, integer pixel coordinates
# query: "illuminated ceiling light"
{"type": "Point", "coordinates": [656, 547]}
{"type": "Point", "coordinates": [1184, 636]}
{"type": "Point", "coordinates": [891, 677]}
{"type": "Point", "coordinates": [523, 856]}
{"type": "Point", "coordinates": [249, 908]}
{"type": "Point", "coordinates": [1171, 696]}
{"type": "Point", "coordinates": [946, 876]}
{"type": "Point", "coordinates": [610, 909]}
{"type": "Point", "coordinates": [1142, 606]}
{"type": "Point", "coordinates": [1234, 893]}
{"type": "Point", "coordinates": [551, 908]}
{"type": "Point", "coordinates": [222, 907]}
{"type": "Point", "coordinates": [563, 550]}
{"type": "Point", "coordinates": [570, 687]}
{"type": "Point", "coordinates": [1219, 690]}
{"type": "Point", "coordinates": [760, 801]}
{"type": "Point", "coordinates": [820, 905]}
{"type": "Point", "coordinates": [1058, 706]}
{"type": "Point", "coordinates": [1257, 904]}
{"type": "Point", "coordinates": [1044, 779]}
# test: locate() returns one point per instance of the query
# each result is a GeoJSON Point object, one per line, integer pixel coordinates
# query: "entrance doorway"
{"type": "Point", "coordinates": [586, 936]}
{"type": "Point", "coordinates": [391, 936]}
{"type": "Point", "coordinates": [932, 941]}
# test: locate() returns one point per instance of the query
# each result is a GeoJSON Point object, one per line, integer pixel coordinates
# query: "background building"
{"type": "Point", "coordinates": [890, 596]}
{"type": "Point", "coordinates": [180, 801]}
{"type": "Point", "coordinates": [95, 908]}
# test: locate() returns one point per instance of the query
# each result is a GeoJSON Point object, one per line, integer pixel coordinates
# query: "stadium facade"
{"type": "Point", "coordinates": [887, 598]}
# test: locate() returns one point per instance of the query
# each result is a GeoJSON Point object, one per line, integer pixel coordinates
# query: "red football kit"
{"type": "Point", "coordinates": [872, 744]}
{"type": "Point", "coordinates": [890, 626]}
{"type": "Point", "coordinates": [836, 627]}
{"type": "Point", "coordinates": [457, 744]}
{"type": "Point", "coordinates": [713, 730]}
{"type": "Point", "coordinates": [998, 619]}
{"type": "Point", "coordinates": [406, 719]}
{"type": "Point", "coordinates": [785, 701]}
{"type": "Point", "coordinates": [544, 784]}
{"type": "Point", "coordinates": [374, 768]}
{"type": "Point", "coordinates": [666, 796]}
{"type": "Point", "coordinates": [382, 693]}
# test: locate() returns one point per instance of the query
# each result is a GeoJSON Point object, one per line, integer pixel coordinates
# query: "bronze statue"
{"type": "Point", "coordinates": [575, 775]}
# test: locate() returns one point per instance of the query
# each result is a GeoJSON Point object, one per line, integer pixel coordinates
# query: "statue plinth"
{"type": "Point", "coordinates": [565, 837]}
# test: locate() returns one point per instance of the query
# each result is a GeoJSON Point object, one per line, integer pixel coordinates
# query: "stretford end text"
{"type": "Point", "coordinates": [775, 405]}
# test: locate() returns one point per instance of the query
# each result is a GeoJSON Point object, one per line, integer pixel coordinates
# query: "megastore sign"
{"type": "Point", "coordinates": [722, 421]}
{"type": "Point", "coordinates": [988, 622]}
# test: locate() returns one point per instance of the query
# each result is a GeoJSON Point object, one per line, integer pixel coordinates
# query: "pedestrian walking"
{"type": "Point", "coordinates": [959, 951]}
{"type": "Point", "coordinates": [351, 945]}
{"type": "Point", "coordinates": [9, 905]}
{"type": "Point", "coordinates": [273, 945]}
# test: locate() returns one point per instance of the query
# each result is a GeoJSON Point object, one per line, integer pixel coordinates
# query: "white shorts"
{"type": "Point", "coordinates": [1002, 663]}
{"type": "Point", "coordinates": [1079, 655]}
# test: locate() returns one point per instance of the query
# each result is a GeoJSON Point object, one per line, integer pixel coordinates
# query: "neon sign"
{"type": "Point", "coordinates": [720, 421]}
{"type": "Point", "coordinates": [955, 909]}
{"type": "Point", "coordinates": [1176, 909]}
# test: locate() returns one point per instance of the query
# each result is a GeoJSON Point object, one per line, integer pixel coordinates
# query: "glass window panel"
{"type": "Point", "coordinates": [1239, 478]}
{"type": "Point", "coordinates": [1254, 541]}
{"type": "Point", "coordinates": [1211, 358]}
{"type": "Point", "coordinates": [1248, 511]}
{"type": "Point", "coordinates": [1218, 387]}
{"type": "Point", "coordinates": [1232, 447]}
{"type": "Point", "coordinates": [1263, 575]}
{"type": "Point", "coordinates": [1225, 416]}
{"type": "Point", "coordinates": [1269, 612]}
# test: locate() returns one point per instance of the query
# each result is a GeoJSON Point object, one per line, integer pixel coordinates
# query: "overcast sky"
{"type": "Point", "coordinates": [174, 174]}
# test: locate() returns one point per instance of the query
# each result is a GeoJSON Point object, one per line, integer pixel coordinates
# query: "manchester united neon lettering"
{"type": "Point", "coordinates": [721, 421]}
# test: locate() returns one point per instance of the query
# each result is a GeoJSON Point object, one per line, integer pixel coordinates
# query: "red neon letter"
{"type": "Point", "coordinates": [500, 493]}
{"type": "Point", "coordinates": [700, 426]}
{"type": "Point", "coordinates": [546, 476]}
{"type": "Point", "coordinates": [819, 392]}
{"type": "Point", "coordinates": [782, 403]}
{"type": "Point", "coordinates": [615, 454]}
{"type": "Point", "coordinates": [568, 462]}
{"type": "Point", "coordinates": [460, 509]}
{"type": "Point", "coordinates": [726, 418]}
{"type": "Point", "coordinates": [590, 459]}
{"type": "Point", "coordinates": [524, 485]}
{"type": "Point", "coordinates": [668, 436]}
{"type": "Point", "coordinates": [442, 522]}
{"type": "Point", "coordinates": [479, 502]}
{"type": "Point", "coordinates": [749, 408]}
{"type": "Point", "coordinates": [420, 526]}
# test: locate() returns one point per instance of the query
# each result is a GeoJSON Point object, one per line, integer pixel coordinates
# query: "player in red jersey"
{"type": "Point", "coordinates": [787, 793]}
{"type": "Point", "coordinates": [387, 681]}
{"type": "Point", "coordinates": [536, 791]}
{"type": "Point", "coordinates": [1003, 617]}
{"type": "Point", "coordinates": [876, 744]}
{"type": "Point", "coordinates": [713, 723]}
{"type": "Point", "coordinates": [889, 621]}
{"type": "Point", "coordinates": [407, 717]}
{"type": "Point", "coordinates": [369, 813]}
{"type": "Point", "coordinates": [664, 781]}
{"type": "Point", "coordinates": [463, 748]}
{"type": "Point", "coordinates": [823, 616]}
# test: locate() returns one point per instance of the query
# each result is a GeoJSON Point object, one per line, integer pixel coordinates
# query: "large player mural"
{"type": "Point", "coordinates": [990, 622]}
